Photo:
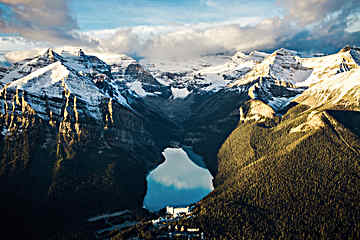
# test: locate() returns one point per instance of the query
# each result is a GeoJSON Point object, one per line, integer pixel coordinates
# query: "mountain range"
{"type": "Point", "coordinates": [279, 132]}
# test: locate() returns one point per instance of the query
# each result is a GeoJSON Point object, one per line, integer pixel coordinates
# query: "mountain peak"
{"type": "Point", "coordinates": [81, 53]}
{"type": "Point", "coordinates": [85, 77]}
{"type": "Point", "coordinates": [285, 52]}
{"type": "Point", "coordinates": [51, 55]}
{"type": "Point", "coordinates": [349, 48]}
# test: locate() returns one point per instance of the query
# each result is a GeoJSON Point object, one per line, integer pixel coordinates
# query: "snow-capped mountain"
{"type": "Point", "coordinates": [86, 79]}
{"type": "Point", "coordinates": [283, 75]}
{"type": "Point", "coordinates": [95, 125]}
{"type": "Point", "coordinates": [276, 79]}
{"type": "Point", "coordinates": [335, 80]}
{"type": "Point", "coordinates": [209, 73]}
{"type": "Point", "coordinates": [68, 128]}
{"type": "Point", "coordinates": [327, 66]}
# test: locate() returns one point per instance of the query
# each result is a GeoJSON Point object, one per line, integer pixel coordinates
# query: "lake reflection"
{"type": "Point", "coordinates": [178, 181]}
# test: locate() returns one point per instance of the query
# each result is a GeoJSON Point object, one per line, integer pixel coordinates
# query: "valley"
{"type": "Point", "coordinates": [83, 135]}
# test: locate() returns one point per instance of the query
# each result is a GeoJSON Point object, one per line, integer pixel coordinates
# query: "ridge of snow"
{"type": "Point", "coordinates": [206, 73]}
{"type": "Point", "coordinates": [342, 87]}
{"type": "Point", "coordinates": [282, 65]}
{"type": "Point", "coordinates": [328, 66]}
{"type": "Point", "coordinates": [54, 72]}
{"type": "Point", "coordinates": [76, 74]}
{"type": "Point", "coordinates": [54, 79]}
{"type": "Point", "coordinates": [237, 62]}
{"type": "Point", "coordinates": [321, 66]}
{"type": "Point", "coordinates": [68, 51]}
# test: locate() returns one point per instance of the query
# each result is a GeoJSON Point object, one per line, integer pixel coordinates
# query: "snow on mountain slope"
{"type": "Point", "coordinates": [240, 63]}
{"type": "Point", "coordinates": [180, 92]}
{"type": "Point", "coordinates": [52, 80]}
{"type": "Point", "coordinates": [86, 79]}
{"type": "Point", "coordinates": [22, 68]}
{"type": "Point", "coordinates": [342, 89]}
{"type": "Point", "coordinates": [281, 66]}
{"type": "Point", "coordinates": [137, 88]}
{"type": "Point", "coordinates": [283, 77]}
{"type": "Point", "coordinates": [274, 79]}
{"type": "Point", "coordinates": [206, 73]}
{"type": "Point", "coordinates": [42, 78]}
{"type": "Point", "coordinates": [328, 66]}
{"type": "Point", "coordinates": [107, 57]}
{"type": "Point", "coordinates": [180, 73]}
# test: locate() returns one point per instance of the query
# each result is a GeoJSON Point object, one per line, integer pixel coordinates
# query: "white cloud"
{"type": "Point", "coordinates": [318, 20]}
{"type": "Point", "coordinates": [191, 40]}
{"type": "Point", "coordinates": [301, 24]}
{"type": "Point", "coordinates": [312, 11]}
{"type": "Point", "coordinates": [42, 20]}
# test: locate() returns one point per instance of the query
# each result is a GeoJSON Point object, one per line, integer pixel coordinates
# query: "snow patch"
{"type": "Point", "coordinates": [136, 87]}
{"type": "Point", "coordinates": [278, 103]}
{"type": "Point", "coordinates": [180, 92]}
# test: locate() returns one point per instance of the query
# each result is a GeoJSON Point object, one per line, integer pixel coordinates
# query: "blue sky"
{"type": "Point", "coordinates": [99, 14]}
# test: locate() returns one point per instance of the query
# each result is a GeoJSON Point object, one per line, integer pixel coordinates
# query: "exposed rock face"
{"type": "Point", "coordinates": [71, 144]}
{"type": "Point", "coordinates": [138, 72]}
{"type": "Point", "coordinates": [148, 82]}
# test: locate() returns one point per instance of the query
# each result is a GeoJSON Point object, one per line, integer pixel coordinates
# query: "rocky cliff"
{"type": "Point", "coordinates": [72, 145]}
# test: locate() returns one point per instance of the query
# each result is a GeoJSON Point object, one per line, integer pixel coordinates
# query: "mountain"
{"type": "Point", "coordinates": [294, 175]}
{"type": "Point", "coordinates": [279, 132]}
{"type": "Point", "coordinates": [72, 145]}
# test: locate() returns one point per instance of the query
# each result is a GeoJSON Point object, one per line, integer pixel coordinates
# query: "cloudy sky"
{"type": "Point", "coordinates": [157, 28]}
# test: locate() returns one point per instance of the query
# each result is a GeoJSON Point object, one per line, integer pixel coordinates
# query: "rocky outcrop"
{"type": "Point", "coordinates": [135, 72]}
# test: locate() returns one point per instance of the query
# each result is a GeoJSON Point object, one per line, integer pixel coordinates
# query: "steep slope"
{"type": "Point", "coordinates": [71, 144]}
{"type": "Point", "coordinates": [328, 66]}
{"type": "Point", "coordinates": [342, 89]}
{"type": "Point", "coordinates": [294, 177]}
{"type": "Point", "coordinates": [278, 183]}
{"type": "Point", "coordinates": [335, 80]}
{"type": "Point", "coordinates": [213, 116]}
{"type": "Point", "coordinates": [275, 80]}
